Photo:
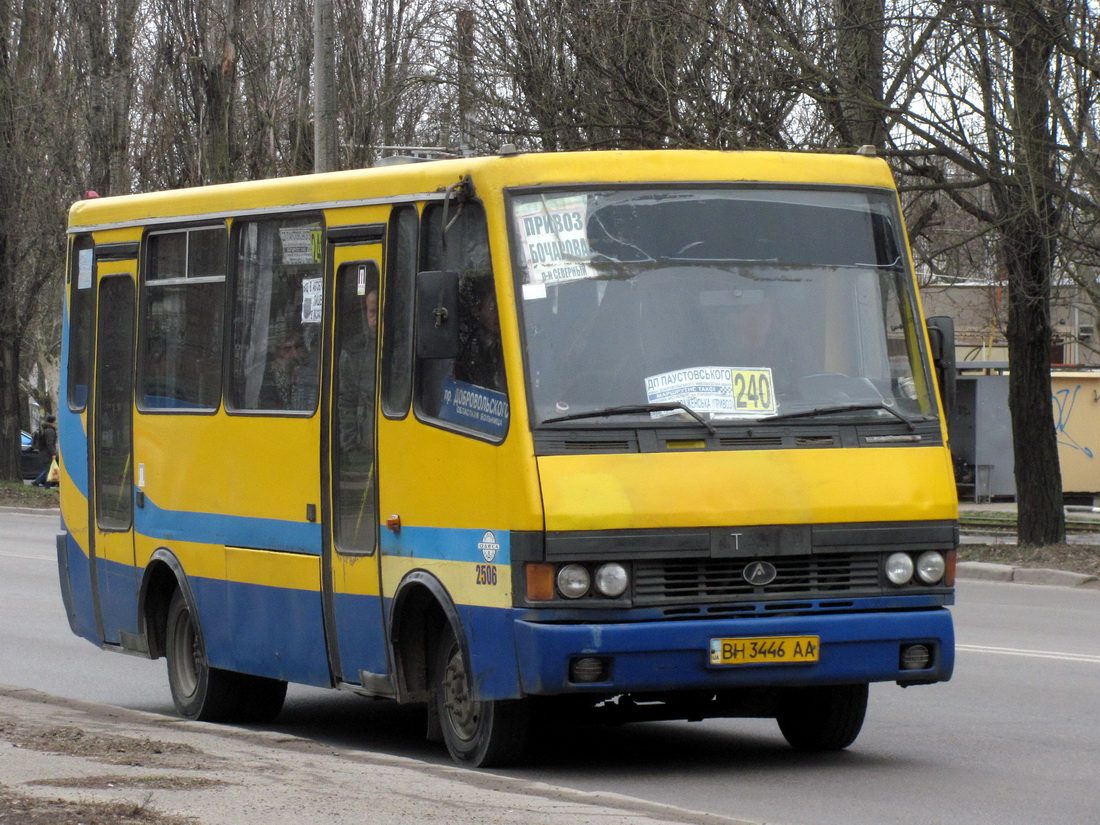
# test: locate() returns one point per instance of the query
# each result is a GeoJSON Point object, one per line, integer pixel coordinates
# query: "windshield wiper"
{"type": "Point", "coordinates": [839, 408]}
{"type": "Point", "coordinates": [629, 409]}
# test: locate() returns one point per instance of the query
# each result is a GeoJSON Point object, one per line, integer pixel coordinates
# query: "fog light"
{"type": "Point", "coordinates": [612, 580]}
{"type": "Point", "coordinates": [588, 670]}
{"type": "Point", "coordinates": [573, 581]}
{"type": "Point", "coordinates": [931, 566]}
{"type": "Point", "coordinates": [916, 657]}
{"type": "Point", "coordinates": [899, 568]}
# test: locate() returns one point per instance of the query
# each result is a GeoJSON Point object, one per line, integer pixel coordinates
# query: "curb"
{"type": "Point", "coordinates": [989, 571]}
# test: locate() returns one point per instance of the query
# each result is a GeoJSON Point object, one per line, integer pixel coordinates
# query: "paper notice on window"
{"type": "Point", "coordinates": [312, 289]}
{"type": "Point", "coordinates": [553, 239]}
{"type": "Point", "coordinates": [301, 244]}
{"type": "Point", "coordinates": [720, 391]}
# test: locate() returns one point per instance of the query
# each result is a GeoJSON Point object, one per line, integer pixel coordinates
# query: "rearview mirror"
{"type": "Point", "coordinates": [941, 335]}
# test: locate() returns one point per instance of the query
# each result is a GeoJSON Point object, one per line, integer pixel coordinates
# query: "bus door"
{"type": "Point", "coordinates": [111, 444]}
{"type": "Point", "coordinates": [351, 568]}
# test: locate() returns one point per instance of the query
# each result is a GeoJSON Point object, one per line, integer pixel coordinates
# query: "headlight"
{"type": "Point", "coordinates": [573, 581]}
{"type": "Point", "coordinates": [899, 568]}
{"type": "Point", "coordinates": [930, 566]}
{"type": "Point", "coordinates": [612, 580]}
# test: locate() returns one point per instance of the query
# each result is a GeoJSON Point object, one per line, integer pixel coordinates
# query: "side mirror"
{"type": "Point", "coordinates": [941, 335]}
{"type": "Point", "coordinates": [437, 314]}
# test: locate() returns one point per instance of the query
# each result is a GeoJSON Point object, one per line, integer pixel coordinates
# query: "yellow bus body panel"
{"type": "Point", "coordinates": [717, 489]}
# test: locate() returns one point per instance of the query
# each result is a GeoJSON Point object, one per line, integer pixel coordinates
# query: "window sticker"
{"type": "Point", "coordinates": [720, 391]}
{"type": "Point", "coordinates": [311, 300]}
{"type": "Point", "coordinates": [553, 237]}
{"type": "Point", "coordinates": [475, 407]}
{"type": "Point", "coordinates": [84, 269]}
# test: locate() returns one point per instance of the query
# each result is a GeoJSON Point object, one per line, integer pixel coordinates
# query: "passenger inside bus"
{"type": "Point", "coordinates": [480, 359]}
{"type": "Point", "coordinates": [356, 372]}
{"type": "Point", "coordinates": [284, 359]}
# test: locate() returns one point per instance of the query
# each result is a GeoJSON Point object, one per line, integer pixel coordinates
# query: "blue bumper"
{"type": "Point", "coordinates": [666, 656]}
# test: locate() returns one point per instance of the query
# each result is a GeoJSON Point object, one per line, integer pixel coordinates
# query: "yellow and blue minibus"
{"type": "Point", "coordinates": [619, 435]}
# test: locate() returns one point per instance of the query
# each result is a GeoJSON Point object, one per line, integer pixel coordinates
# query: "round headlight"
{"type": "Point", "coordinates": [573, 581]}
{"type": "Point", "coordinates": [612, 580]}
{"type": "Point", "coordinates": [899, 568]}
{"type": "Point", "coordinates": [930, 566]}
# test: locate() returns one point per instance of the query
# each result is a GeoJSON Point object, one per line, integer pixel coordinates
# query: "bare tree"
{"type": "Point", "coordinates": [103, 41]}
{"type": "Point", "coordinates": [34, 97]}
{"type": "Point", "coordinates": [993, 96]}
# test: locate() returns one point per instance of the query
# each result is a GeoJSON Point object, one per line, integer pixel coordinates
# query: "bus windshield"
{"type": "Point", "coordinates": [754, 303]}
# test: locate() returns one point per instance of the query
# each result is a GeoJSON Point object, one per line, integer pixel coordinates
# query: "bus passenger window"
{"type": "Point", "coordinates": [182, 308]}
{"type": "Point", "coordinates": [469, 390]}
{"type": "Point", "coordinates": [277, 314]}
{"type": "Point", "coordinates": [81, 318]}
{"type": "Point", "coordinates": [398, 312]}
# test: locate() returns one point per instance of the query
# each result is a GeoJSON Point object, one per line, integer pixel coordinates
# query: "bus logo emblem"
{"type": "Point", "coordinates": [759, 573]}
{"type": "Point", "coordinates": [488, 546]}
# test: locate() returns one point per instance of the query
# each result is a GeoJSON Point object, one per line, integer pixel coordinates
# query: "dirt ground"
{"type": "Point", "coordinates": [18, 809]}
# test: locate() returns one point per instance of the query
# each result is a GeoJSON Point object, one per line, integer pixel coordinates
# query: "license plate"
{"type": "Point", "coordinates": [771, 650]}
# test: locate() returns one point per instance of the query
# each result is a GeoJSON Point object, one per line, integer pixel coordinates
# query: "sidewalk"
{"type": "Point", "coordinates": [59, 749]}
{"type": "Point", "coordinates": [1083, 527]}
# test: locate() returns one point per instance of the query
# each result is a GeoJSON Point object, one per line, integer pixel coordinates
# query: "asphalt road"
{"type": "Point", "coordinates": [1013, 738]}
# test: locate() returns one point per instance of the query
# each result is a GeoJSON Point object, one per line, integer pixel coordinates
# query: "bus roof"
{"type": "Point", "coordinates": [418, 181]}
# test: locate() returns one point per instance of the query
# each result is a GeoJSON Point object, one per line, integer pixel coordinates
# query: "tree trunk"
{"type": "Point", "coordinates": [860, 41]}
{"type": "Point", "coordinates": [1029, 237]}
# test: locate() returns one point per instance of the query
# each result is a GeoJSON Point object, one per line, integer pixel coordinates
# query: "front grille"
{"type": "Point", "coordinates": [714, 580]}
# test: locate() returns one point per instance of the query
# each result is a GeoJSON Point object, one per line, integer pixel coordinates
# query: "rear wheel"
{"type": "Point", "coordinates": [260, 699]}
{"type": "Point", "coordinates": [825, 718]}
{"type": "Point", "coordinates": [209, 694]}
{"type": "Point", "coordinates": [199, 691]}
{"type": "Point", "coordinates": [481, 734]}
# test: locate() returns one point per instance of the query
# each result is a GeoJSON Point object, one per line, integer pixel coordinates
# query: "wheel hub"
{"type": "Point", "coordinates": [463, 711]}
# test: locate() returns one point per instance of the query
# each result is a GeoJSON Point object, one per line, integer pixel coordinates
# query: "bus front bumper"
{"type": "Point", "coordinates": [662, 656]}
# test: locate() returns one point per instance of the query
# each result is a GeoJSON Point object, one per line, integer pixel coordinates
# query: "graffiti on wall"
{"type": "Point", "coordinates": [1064, 401]}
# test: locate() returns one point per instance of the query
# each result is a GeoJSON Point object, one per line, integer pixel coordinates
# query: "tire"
{"type": "Point", "coordinates": [827, 718]}
{"type": "Point", "coordinates": [480, 734]}
{"type": "Point", "coordinates": [260, 699]}
{"type": "Point", "coordinates": [200, 692]}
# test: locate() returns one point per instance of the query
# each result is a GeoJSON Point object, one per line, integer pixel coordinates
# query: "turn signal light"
{"type": "Point", "coordinates": [540, 582]}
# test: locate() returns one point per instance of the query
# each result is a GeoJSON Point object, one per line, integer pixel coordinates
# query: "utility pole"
{"type": "Point", "coordinates": [324, 82]}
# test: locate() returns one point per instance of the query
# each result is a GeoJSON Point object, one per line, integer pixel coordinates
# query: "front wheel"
{"type": "Point", "coordinates": [481, 734]}
{"type": "Point", "coordinates": [825, 718]}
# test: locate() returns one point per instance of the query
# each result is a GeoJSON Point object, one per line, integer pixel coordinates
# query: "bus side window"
{"type": "Point", "coordinates": [81, 317]}
{"type": "Point", "coordinates": [469, 390]}
{"type": "Point", "coordinates": [397, 312]}
{"type": "Point", "coordinates": [182, 306]}
{"type": "Point", "coordinates": [276, 322]}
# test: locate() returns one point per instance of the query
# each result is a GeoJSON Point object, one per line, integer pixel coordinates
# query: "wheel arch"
{"type": "Point", "coordinates": [163, 575]}
{"type": "Point", "coordinates": [420, 611]}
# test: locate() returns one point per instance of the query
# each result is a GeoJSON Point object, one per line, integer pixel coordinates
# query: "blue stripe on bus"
{"type": "Point", "coordinates": [276, 632]}
{"type": "Point", "coordinates": [449, 544]}
{"type": "Point", "coordinates": [233, 531]}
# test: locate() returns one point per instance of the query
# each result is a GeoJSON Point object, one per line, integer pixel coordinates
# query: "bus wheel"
{"type": "Point", "coordinates": [825, 718]}
{"type": "Point", "coordinates": [481, 734]}
{"type": "Point", "coordinates": [199, 691]}
{"type": "Point", "coordinates": [261, 699]}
